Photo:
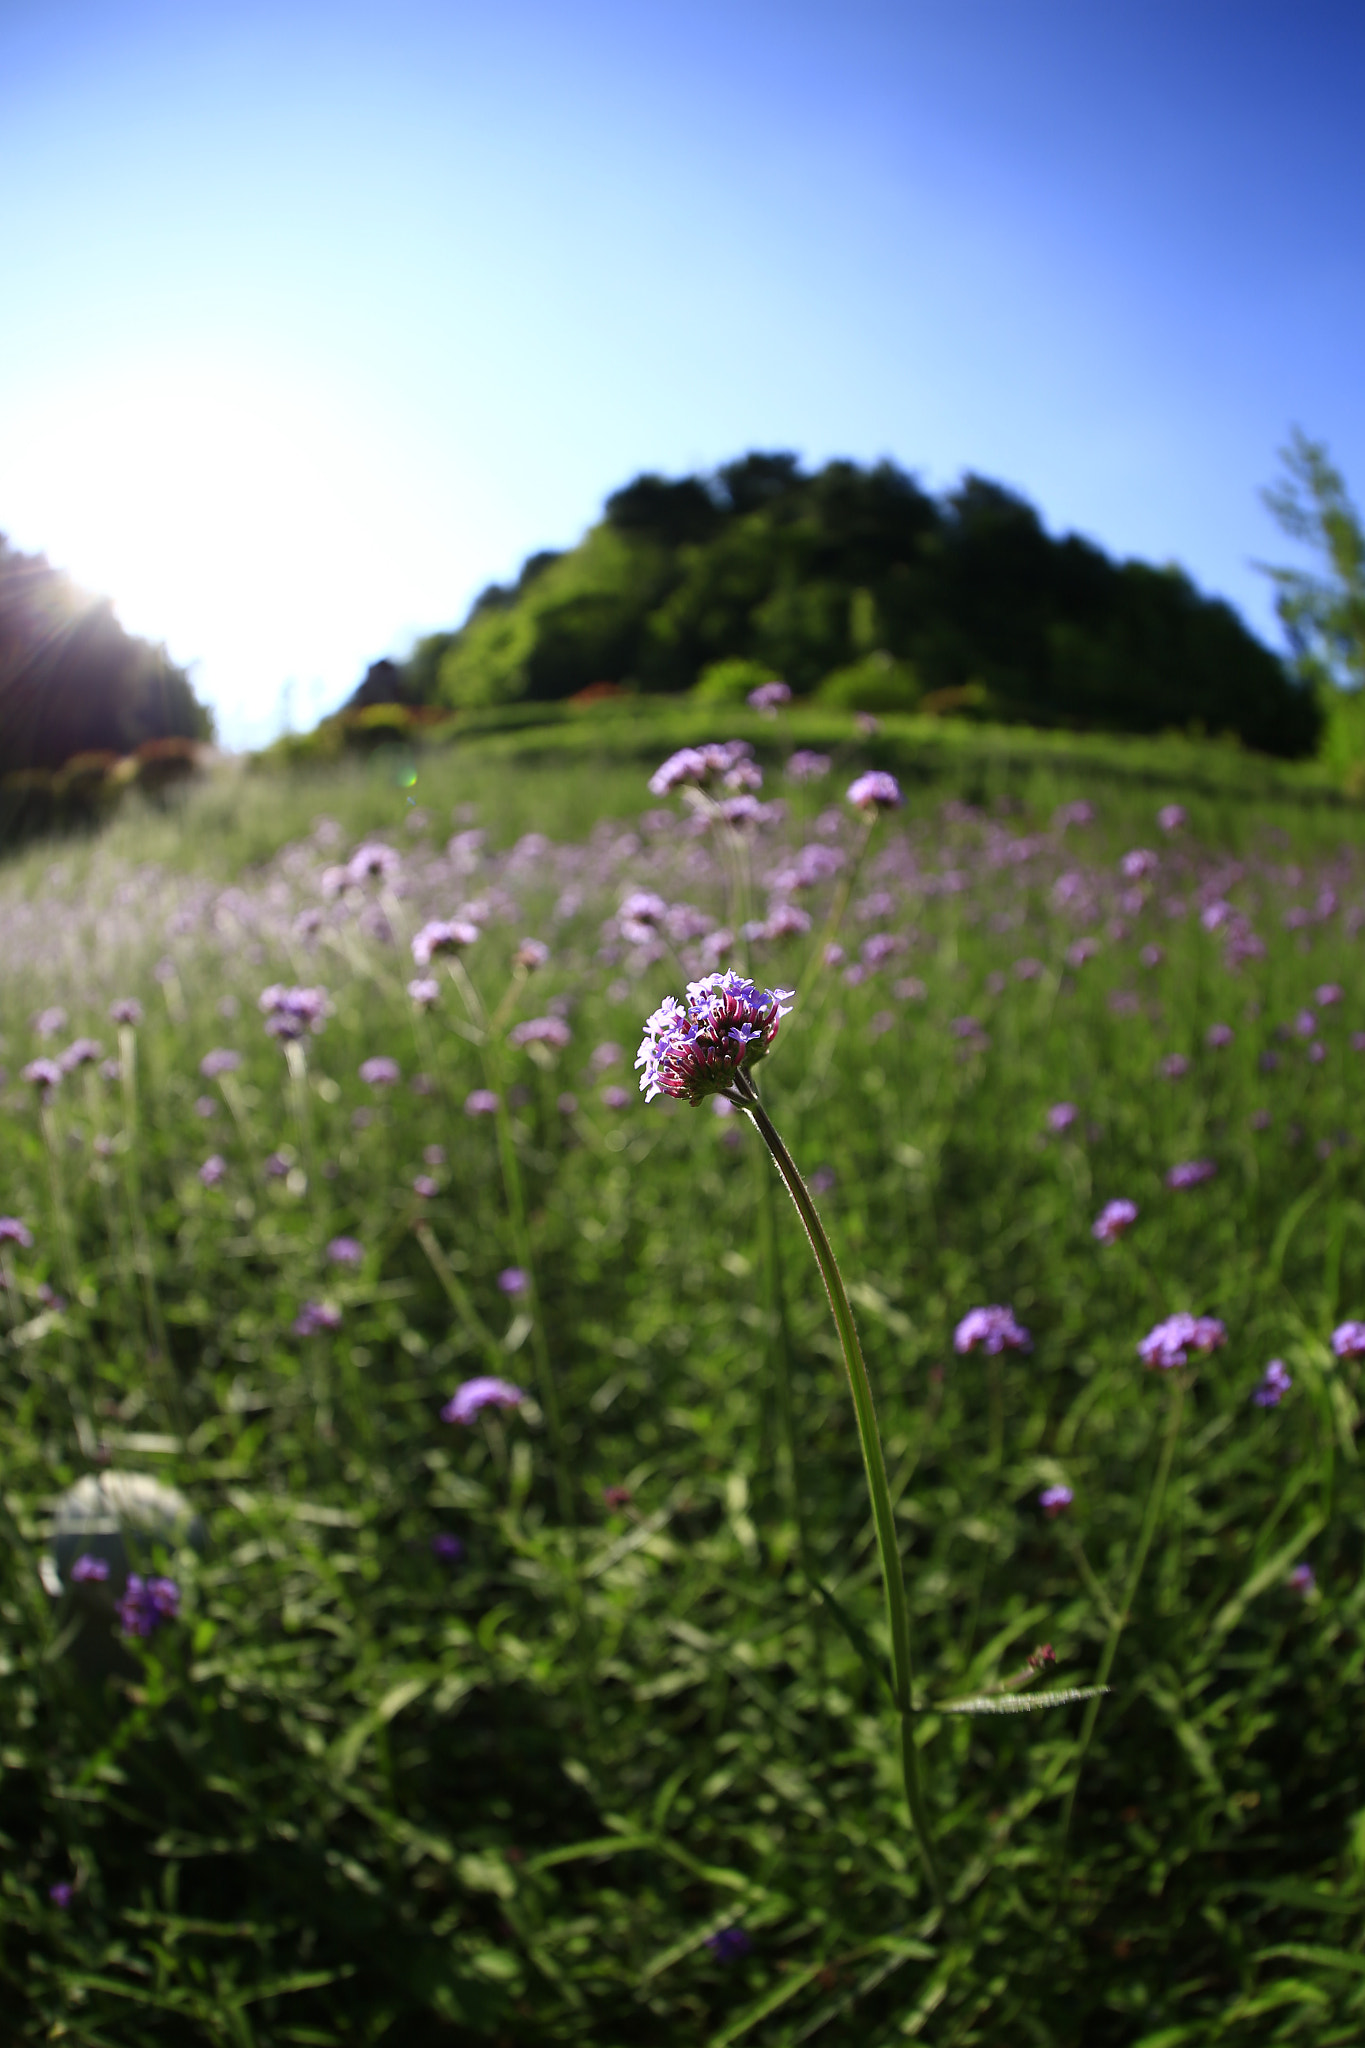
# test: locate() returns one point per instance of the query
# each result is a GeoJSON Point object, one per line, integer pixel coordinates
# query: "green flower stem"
{"type": "Point", "coordinates": [816, 962]}
{"type": "Point", "coordinates": [1155, 1502]}
{"type": "Point", "coordinates": [146, 1269]}
{"type": "Point", "coordinates": [874, 1462]}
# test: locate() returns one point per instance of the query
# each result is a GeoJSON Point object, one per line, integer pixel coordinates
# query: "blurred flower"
{"type": "Point", "coordinates": [1081, 951]}
{"type": "Point", "coordinates": [426, 1187]}
{"type": "Point", "coordinates": [729, 1944]}
{"type": "Point", "coordinates": [532, 954]}
{"type": "Point", "coordinates": [481, 1102]}
{"type": "Point", "coordinates": [617, 1496]}
{"type": "Point", "coordinates": [1062, 1116]}
{"type": "Point", "coordinates": [1219, 1035]}
{"type": "Point", "coordinates": [424, 992]}
{"type": "Point", "coordinates": [219, 1061]}
{"type": "Point", "coordinates": [745, 779]}
{"type": "Point", "coordinates": [807, 766]}
{"type": "Point", "coordinates": [1275, 1384]}
{"type": "Point", "coordinates": [541, 1031]}
{"type": "Point", "coordinates": [61, 1894]}
{"type": "Point", "coordinates": [315, 1317]}
{"type": "Point", "coordinates": [1053, 1499]}
{"type": "Point", "coordinates": [567, 1105]}
{"type": "Point", "coordinates": [614, 1097]}
{"type": "Point", "coordinates": [911, 990]}
{"type": "Point", "coordinates": [1327, 995]}
{"type": "Point", "coordinates": [875, 791]}
{"type": "Point", "coordinates": [82, 1052]}
{"type": "Point", "coordinates": [1348, 1340]}
{"type": "Point", "coordinates": [1168, 1344]}
{"type": "Point", "coordinates": [770, 696]}
{"type": "Point", "coordinates": [512, 1280]}
{"type": "Point", "coordinates": [703, 1045]}
{"type": "Point", "coordinates": [1078, 813]}
{"type": "Point", "coordinates": [1191, 1173]}
{"type": "Point", "coordinates": [442, 935]}
{"type": "Point", "coordinates": [373, 862]}
{"type": "Point", "coordinates": [44, 1074]}
{"type": "Point", "coordinates": [12, 1231]}
{"type": "Point", "coordinates": [993, 1328]}
{"type": "Point", "coordinates": [289, 1012]}
{"type": "Point", "coordinates": [1305, 1023]}
{"type": "Point", "coordinates": [276, 1166]}
{"type": "Point", "coordinates": [446, 1549]}
{"type": "Point", "coordinates": [1303, 1579]}
{"type": "Point", "coordinates": [1174, 1067]}
{"type": "Point", "coordinates": [146, 1604]}
{"type": "Point", "coordinates": [88, 1570]}
{"type": "Point", "coordinates": [1171, 817]}
{"type": "Point", "coordinates": [1140, 862]}
{"type": "Point", "coordinates": [1114, 1218]}
{"type": "Point", "coordinates": [1151, 956]}
{"type": "Point", "coordinates": [1317, 1052]}
{"type": "Point", "coordinates": [604, 1057]}
{"type": "Point", "coordinates": [380, 1072]}
{"type": "Point", "coordinates": [483, 1392]}
{"type": "Point", "coordinates": [1259, 1119]}
{"type": "Point", "coordinates": [47, 1023]}
{"type": "Point", "coordinates": [213, 1170]}
{"type": "Point", "coordinates": [346, 1251]}
{"type": "Point", "coordinates": [698, 765]}
{"type": "Point", "coordinates": [433, 1155]}
{"type": "Point", "coordinates": [205, 1106]}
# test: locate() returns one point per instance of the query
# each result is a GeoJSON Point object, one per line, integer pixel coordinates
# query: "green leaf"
{"type": "Point", "coordinates": [1019, 1702]}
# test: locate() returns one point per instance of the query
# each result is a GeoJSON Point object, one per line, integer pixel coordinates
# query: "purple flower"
{"type": "Point", "coordinates": [729, 1944]}
{"type": "Point", "coordinates": [346, 1251]}
{"type": "Point", "coordinates": [1168, 1344]}
{"type": "Point", "coordinates": [146, 1604]}
{"type": "Point", "coordinates": [442, 935]}
{"type": "Point", "coordinates": [1151, 956]}
{"type": "Point", "coordinates": [44, 1074]}
{"type": "Point", "coordinates": [219, 1061]}
{"type": "Point", "coordinates": [1191, 1173]}
{"type": "Point", "coordinates": [1275, 1384]}
{"type": "Point", "coordinates": [465, 1403]}
{"type": "Point", "coordinates": [1114, 1218]}
{"type": "Point", "coordinates": [82, 1052]}
{"type": "Point", "coordinates": [698, 765]}
{"type": "Point", "coordinates": [481, 1102]}
{"type": "Point", "coordinates": [1171, 817]}
{"type": "Point", "coordinates": [1327, 995]}
{"type": "Point", "coordinates": [88, 1570]}
{"type": "Point", "coordinates": [445, 1548]}
{"type": "Point", "coordinates": [1083, 950]}
{"type": "Point", "coordinates": [373, 862]}
{"type": "Point", "coordinates": [315, 1317]}
{"type": "Point", "coordinates": [541, 1031]}
{"type": "Point", "coordinates": [1078, 813]}
{"type": "Point", "coordinates": [1348, 1340]}
{"type": "Point", "coordinates": [426, 1187]}
{"type": "Point", "coordinates": [512, 1280]}
{"type": "Point", "coordinates": [1305, 1023]}
{"type": "Point", "coordinates": [1174, 1067]}
{"type": "Point", "coordinates": [276, 1166]}
{"type": "Point", "coordinates": [875, 791]}
{"type": "Point", "coordinates": [770, 696]}
{"type": "Point", "coordinates": [531, 955]}
{"type": "Point", "coordinates": [424, 992]}
{"type": "Point", "coordinates": [567, 1104]}
{"type": "Point", "coordinates": [615, 1097]}
{"type": "Point", "coordinates": [213, 1170]}
{"type": "Point", "coordinates": [205, 1106]}
{"type": "Point", "coordinates": [1303, 1579]}
{"type": "Point", "coordinates": [994, 1329]}
{"type": "Point", "coordinates": [1062, 1116]}
{"type": "Point", "coordinates": [48, 1023]}
{"type": "Point", "coordinates": [61, 1894]}
{"type": "Point", "coordinates": [289, 1012]}
{"type": "Point", "coordinates": [807, 766]}
{"type": "Point", "coordinates": [380, 1072]}
{"type": "Point", "coordinates": [1053, 1499]}
{"type": "Point", "coordinates": [12, 1231]}
{"type": "Point", "coordinates": [1219, 1035]}
{"type": "Point", "coordinates": [1317, 1052]}
{"type": "Point", "coordinates": [1141, 861]}
{"type": "Point", "coordinates": [703, 1045]}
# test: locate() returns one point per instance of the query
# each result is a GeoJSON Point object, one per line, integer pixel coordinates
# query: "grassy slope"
{"type": "Point", "coordinates": [396, 1804]}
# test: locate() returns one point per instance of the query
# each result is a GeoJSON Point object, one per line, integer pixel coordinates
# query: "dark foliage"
{"type": "Point", "coordinates": [965, 598]}
{"type": "Point", "coordinates": [72, 681]}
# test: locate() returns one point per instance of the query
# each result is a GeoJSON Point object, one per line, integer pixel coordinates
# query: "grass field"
{"type": "Point", "coordinates": [566, 1724]}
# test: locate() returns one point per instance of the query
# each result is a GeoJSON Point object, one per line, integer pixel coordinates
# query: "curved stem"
{"type": "Point", "coordinates": [874, 1463]}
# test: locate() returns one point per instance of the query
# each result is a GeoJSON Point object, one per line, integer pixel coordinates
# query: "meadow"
{"type": "Point", "coordinates": [564, 1723]}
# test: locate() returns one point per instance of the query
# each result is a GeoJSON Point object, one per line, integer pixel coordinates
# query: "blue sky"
{"type": "Point", "coordinates": [318, 319]}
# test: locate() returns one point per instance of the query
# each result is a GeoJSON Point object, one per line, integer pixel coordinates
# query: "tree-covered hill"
{"type": "Point", "coordinates": [72, 682]}
{"type": "Point", "coordinates": [857, 586]}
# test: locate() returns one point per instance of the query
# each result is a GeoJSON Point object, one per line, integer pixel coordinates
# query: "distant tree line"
{"type": "Point", "coordinates": [855, 585]}
{"type": "Point", "coordinates": [72, 682]}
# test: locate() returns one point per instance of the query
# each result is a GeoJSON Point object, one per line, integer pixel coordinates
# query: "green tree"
{"type": "Point", "coordinates": [1323, 614]}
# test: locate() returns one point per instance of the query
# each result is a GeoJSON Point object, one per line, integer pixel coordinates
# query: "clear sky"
{"type": "Point", "coordinates": [318, 318]}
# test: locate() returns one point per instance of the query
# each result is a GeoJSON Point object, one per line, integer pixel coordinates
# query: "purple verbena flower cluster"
{"type": "Point", "coordinates": [701, 1046]}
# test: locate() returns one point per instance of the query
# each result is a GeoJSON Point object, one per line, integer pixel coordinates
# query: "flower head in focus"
{"type": "Point", "coordinates": [702, 1046]}
{"type": "Point", "coordinates": [875, 791]}
{"type": "Point", "coordinates": [1275, 1384]}
{"type": "Point", "coordinates": [993, 1328]}
{"type": "Point", "coordinates": [484, 1392]}
{"type": "Point", "coordinates": [1114, 1218]}
{"type": "Point", "coordinates": [1169, 1344]}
